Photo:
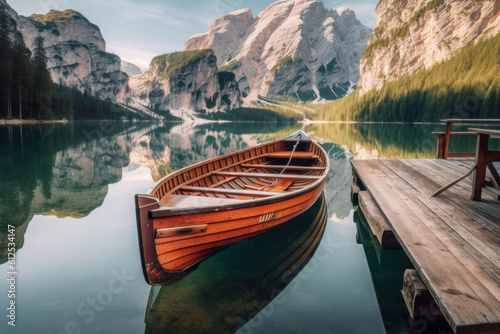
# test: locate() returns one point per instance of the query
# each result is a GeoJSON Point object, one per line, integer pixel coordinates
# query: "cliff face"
{"type": "Point", "coordinates": [225, 35]}
{"type": "Point", "coordinates": [77, 54]}
{"type": "Point", "coordinates": [186, 80]}
{"type": "Point", "coordinates": [411, 35]}
{"type": "Point", "coordinates": [294, 47]}
{"type": "Point", "coordinates": [130, 68]}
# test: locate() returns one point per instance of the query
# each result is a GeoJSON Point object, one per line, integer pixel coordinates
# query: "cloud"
{"type": "Point", "coordinates": [364, 9]}
{"type": "Point", "coordinates": [131, 54]}
{"type": "Point", "coordinates": [129, 10]}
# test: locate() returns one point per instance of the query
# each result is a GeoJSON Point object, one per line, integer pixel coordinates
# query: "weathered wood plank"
{"type": "Point", "coordinates": [417, 297]}
{"type": "Point", "coordinates": [355, 190]}
{"type": "Point", "coordinates": [458, 133]}
{"type": "Point", "coordinates": [455, 169]}
{"type": "Point", "coordinates": [296, 155]}
{"type": "Point", "coordinates": [183, 230]}
{"type": "Point", "coordinates": [269, 176]}
{"type": "Point", "coordinates": [472, 121]}
{"type": "Point", "coordinates": [377, 221]}
{"type": "Point", "coordinates": [232, 191]}
{"type": "Point", "coordinates": [466, 303]}
{"type": "Point", "coordinates": [470, 244]}
{"type": "Point", "coordinates": [183, 201]}
{"type": "Point", "coordinates": [311, 168]}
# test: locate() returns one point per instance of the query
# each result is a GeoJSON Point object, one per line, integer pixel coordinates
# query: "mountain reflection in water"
{"type": "Point", "coordinates": [64, 170]}
{"type": "Point", "coordinates": [69, 188]}
{"type": "Point", "coordinates": [227, 291]}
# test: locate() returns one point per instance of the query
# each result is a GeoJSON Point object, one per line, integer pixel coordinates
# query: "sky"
{"type": "Point", "coordinates": [138, 30]}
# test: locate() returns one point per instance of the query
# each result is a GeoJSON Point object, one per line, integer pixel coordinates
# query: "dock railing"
{"type": "Point", "coordinates": [444, 137]}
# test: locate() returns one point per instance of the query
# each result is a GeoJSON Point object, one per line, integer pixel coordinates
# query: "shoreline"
{"type": "Point", "coordinates": [199, 121]}
{"type": "Point", "coordinates": [30, 121]}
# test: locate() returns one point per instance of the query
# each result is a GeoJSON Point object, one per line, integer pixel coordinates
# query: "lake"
{"type": "Point", "coordinates": [67, 197]}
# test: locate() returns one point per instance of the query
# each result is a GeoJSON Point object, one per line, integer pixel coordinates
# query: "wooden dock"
{"type": "Point", "coordinates": [453, 242]}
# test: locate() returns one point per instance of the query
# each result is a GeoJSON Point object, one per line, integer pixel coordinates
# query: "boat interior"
{"type": "Point", "coordinates": [262, 171]}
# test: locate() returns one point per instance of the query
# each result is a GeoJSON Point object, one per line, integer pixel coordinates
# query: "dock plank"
{"type": "Point", "coordinates": [377, 221]}
{"type": "Point", "coordinates": [465, 242]}
{"type": "Point", "coordinates": [454, 247]}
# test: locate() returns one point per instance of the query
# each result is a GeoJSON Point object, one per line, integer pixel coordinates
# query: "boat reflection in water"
{"type": "Point", "coordinates": [228, 289]}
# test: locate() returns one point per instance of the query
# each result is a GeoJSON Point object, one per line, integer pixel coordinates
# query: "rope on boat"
{"type": "Point", "coordinates": [286, 166]}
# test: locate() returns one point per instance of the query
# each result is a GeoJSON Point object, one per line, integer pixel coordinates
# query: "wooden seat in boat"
{"type": "Point", "coordinates": [296, 155]}
{"type": "Point", "coordinates": [182, 201]}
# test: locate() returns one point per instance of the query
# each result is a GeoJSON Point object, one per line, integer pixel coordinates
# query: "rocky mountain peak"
{"type": "Point", "coordinates": [293, 48]}
{"type": "Point", "coordinates": [187, 81]}
{"type": "Point", "coordinates": [130, 69]}
{"type": "Point", "coordinates": [412, 35]}
{"type": "Point", "coordinates": [60, 16]}
{"type": "Point", "coordinates": [59, 27]}
{"type": "Point", "coordinates": [225, 34]}
{"type": "Point", "coordinates": [76, 53]}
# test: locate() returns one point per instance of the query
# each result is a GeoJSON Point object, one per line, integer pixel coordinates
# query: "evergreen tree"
{"type": "Point", "coordinates": [6, 29]}
{"type": "Point", "coordinates": [42, 82]}
{"type": "Point", "coordinates": [21, 76]}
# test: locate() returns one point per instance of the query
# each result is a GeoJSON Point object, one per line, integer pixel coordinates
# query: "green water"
{"type": "Point", "coordinates": [68, 191]}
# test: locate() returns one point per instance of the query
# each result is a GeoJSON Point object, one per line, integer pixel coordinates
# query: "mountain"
{"type": "Point", "coordinates": [427, 60]}
{"type": "Point", "coordinates": [183, 82]}
{"type": "Point", "coordinates": [130, 68]}
{"type": "Point", "coordinates": [412, 35]}
{"type": "Point", "coordinates": [77, 54]}
{"type": "Point", "coordinates": [293, 48]}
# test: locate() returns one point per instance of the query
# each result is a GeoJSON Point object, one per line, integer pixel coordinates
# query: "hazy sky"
{"type": "Point", "coordinates": [139, 30]}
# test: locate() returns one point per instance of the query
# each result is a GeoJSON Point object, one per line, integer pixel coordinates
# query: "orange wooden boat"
{"type": "Point", "coordinates": [246, 281]}
{"type": "Point", "coordinates": [197, 211]}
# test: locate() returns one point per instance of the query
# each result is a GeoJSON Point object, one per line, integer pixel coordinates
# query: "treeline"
{"type": "Point", "coordinates": [84, 106]}
{"type": "Point", "coordinates": [466, 86]}
{"type": "Point", "coordinates": [25, 83]}
{"type": "Point", "coordinates": [251, 115]}
{"type": "Point", "coordinates": [27, 90]}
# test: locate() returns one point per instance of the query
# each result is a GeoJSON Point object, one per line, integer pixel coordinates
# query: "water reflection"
{"type": "Point", "coordinates": [61, 170]}
{"type": "Point", "coordinates": [229, 289]}
{"type": "Point", "coordinates": [48, 172]}
{"type": "Point", "coordinates": [387, 267]}
{"type": "Point", "coordinates": [64, 170]}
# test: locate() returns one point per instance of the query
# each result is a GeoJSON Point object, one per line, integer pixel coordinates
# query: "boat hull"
{"type": "Point", "coordinates": [165, 259]}
{"type": "Point", "coordinates": [266, 266]}
{"type": "Point", "coordinates": [178, 228]}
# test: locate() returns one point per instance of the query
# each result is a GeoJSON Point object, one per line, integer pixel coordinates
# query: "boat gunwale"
{"type": "Point", "coordinates": [166, 211]}
{"type": "Point", "coordinates": [153, 271]}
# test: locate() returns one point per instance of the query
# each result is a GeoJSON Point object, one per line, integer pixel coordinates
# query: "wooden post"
{"type": "Point", "coordinates": [441, 148]}
{"type": "Point", "coordinates": [447, 142]}
{"type": "Point", "coordinates": [495, 178]}
{"type": "Point", "coordinates": [377, 222]}
{"type": "Point", "coordinates": [481, 161]}
{"type": "Point", "coordinates": [355, 191]}
{"type": "Point", "coordinates": [417, 297]}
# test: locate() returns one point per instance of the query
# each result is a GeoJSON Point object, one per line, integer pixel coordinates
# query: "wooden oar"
{"type": "Point", "coordinates": [451, 184]}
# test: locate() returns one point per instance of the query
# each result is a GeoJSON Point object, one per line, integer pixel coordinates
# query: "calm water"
{"type": "Point", "coordinates": [68, 191]}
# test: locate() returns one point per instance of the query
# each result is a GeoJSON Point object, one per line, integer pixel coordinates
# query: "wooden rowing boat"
{"type": "Point", "coordinates": [239, 282]}
{"type": "Point", "coordinates": [197, 211]}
